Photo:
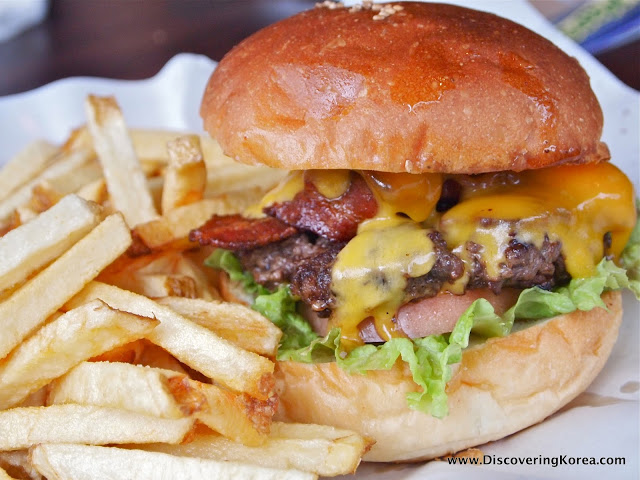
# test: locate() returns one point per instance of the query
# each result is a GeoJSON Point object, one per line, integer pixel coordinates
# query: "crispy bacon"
{"type": "Point", "coordinates": [236, 232]}
{"type": "Point", "coordinates": [336, 219]}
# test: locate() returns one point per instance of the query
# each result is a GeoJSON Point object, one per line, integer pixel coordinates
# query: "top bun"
{"type": "Point", "coordinates": [429, 88]}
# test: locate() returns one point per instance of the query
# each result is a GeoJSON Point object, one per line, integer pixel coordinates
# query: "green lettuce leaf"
{"type": "Point", "coordinates": [280, 308]}
{"type": "Point", "coordinates": [630, 258]}
{"type": "Point", "coordinates": [222, 259]}
{"type": "Point", "coordinates": [430, 358]}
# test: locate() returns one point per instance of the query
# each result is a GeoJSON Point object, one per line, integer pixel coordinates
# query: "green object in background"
{"type": "Point", "coordinates": [591, 16]}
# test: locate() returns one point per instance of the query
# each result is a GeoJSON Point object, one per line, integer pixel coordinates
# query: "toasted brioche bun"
{"type": "Point", "coordinates": [431, 88]}
{"type": "Point", "coordinates": [501, 386]}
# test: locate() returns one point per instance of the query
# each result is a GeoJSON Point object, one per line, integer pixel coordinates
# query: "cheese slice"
{"type": "Point", "coordinates": [576, 205]}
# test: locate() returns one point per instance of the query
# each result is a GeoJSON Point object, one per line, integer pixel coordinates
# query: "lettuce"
{"type": "Point", "coordinates": [430, 358]}
{"type": "Point", "coordinates": [630, 258]}
{"type": "Point", "coordinates": [222, 259]}
{"type": "Point", "coordinates": [280, 308]}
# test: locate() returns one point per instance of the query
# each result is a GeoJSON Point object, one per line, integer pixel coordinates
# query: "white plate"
{"type": "Point", "coordinates": [607, 426]}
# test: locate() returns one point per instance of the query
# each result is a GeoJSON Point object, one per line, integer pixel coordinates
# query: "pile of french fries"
{"type": "Point", "coordinates": [118, 359]}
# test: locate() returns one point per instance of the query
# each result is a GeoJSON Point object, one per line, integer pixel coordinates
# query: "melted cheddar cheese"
{"type": "Point", "coordinates": [371, 271]}
{"type": "Point", "coordinates": [574, 205]}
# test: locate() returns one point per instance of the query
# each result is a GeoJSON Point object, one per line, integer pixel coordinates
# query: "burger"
{"type": "Point", "coordinates": [445, 255]}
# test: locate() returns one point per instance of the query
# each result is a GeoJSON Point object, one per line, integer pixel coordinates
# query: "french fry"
{"type": "Point", "coordinates": [36, 399]}
{"type": "Point", "coordinates": [125, 179]}
{"type": "Point", "coordinates": [79, 138]}
{"type": "Point", "coordinates": [25, 214]}
{"type": "Point", "coordinates": [237, 416]}
{"type": "Point", "coordinates": [4, 475]}
{"type": "Point", "coordinates": [28, 307]}
{"type": "Point", "coordinates": [25, 166]}
{"type": "Point", "coordinates": [186, 174]}
{"type": "Point", "coordinates": [128, 353]}
{"type": "Point", "coordinates": [162, 285]}
{"type": "Point", "coordinates": [24, 427]}
{"type": "Point", "coordinates": [17, 464]}
{"type": "Point", "coordinates": [190, 343]}
{"type": "Point", "coordinates": [173, 229]}
{"type": "Point", "coordinates": [65, 165]}
{"type": "Point", "coordinates": [73, 181]}
{"type": "Point", "coordinates": [117, 385]}
{"type": "Point", "coordinates": [155, 185]}
{"type": "Point", "coordinates": [78, 335]}
{"type": "Point", "coordinates": [43, 197]}
{"type": "Point", "coordinates": [239, 324]}
{"type": "Point", "coordinates": [125, 272]}
{"type": "Point", "coordinates": [157, 357]}
{"type": "Point", "coordinates": [151, 145]}
{"type": "Point", "coordinates": [242, 180]}
{"type": "Point", "coordinates": [165, 394]}
{"type": "Point", "coordinates": [186, 266]}
{"type": "Point", "coordinates": [319, 449]}
{"type": "Point", "coordinates": [95, 191]}
{"type": "Point", "coordinates": [31, 246]}
{"type": "Point", "coordinates": [92, 462]}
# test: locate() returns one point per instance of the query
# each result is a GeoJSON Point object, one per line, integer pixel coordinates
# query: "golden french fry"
{"type": "Point", "coordinates": [166, 262]}
{"type": "Point", "coordinates": [17, 464]}
{"type": "Point", "coordinates": [151, 145]}
{"type": "Point", "coordinates": [157, 357]}
{"type": "Point", "coordinates": [25, 166]}
{"type": "Point", "coordinates": [244, 182]}
{"type": "Point", "coordinates": [153, 169]}
{"type": "Point", "coordinates": [125, 179]}
{"type": "Point", "coordinates": [43, 197]}
{"type": "Point", "coordinates": [223, 173]}
{"type": "Point", "coordinates": [186, 174]}
{"type": "Point", "coordinates": [36, 399]}
{"type": "Point", "coordinates": [165, 394]}
{"type": "Point", "coordinates": [173, 228]}
{"type": "Point", "coordinates": [319, 449]}
{"type": "Point", "coordinates": [30, 305]}
{"type": "Point", "coordinates": [162, 285]}
{"type": "Point", "coordinates": [29, 247]}
{"type": "Point", "coordinates": [78, 335]}
{"type": "Point", "coordinates": [25, 214]}
{"type": "Point", "coordinates": [128, 353]}
{"type": "Point", "coordinates": [4, 475]}
{"type": "Point", "coordinates": [95, 191]}
{"type": "Point", "coordinates": [81, 176]}
{"type": "Point", "coordinates": [64, 166]}
{"type": "Point", "coordinates": [79, 138]}
{"type": "Point", "coordinates": [24, 427]}
{"type": "Point", "coordinates": [89, 462]}
{"type": "Point", "coordinates": [237, 416]}
{"type": "Point", "coordinates": [190, 343]}
{"type": "Point", "coordinates": [117, 385]}
{"type": "Point", "coordinates": [196, 270]}
{"type": "Point", "coordinates": [239, 324]}
{"type": "Point", "coordinates": [155, 185]}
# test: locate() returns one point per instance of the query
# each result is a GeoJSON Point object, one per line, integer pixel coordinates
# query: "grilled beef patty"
{"type": "Point", "coordinates": [305, 262]}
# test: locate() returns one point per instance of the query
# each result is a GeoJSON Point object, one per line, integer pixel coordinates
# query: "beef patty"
{"type": "Point", "coordinates": [305, 262]}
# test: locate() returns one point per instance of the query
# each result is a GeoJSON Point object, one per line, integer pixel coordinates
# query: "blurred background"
{"type": "Point", "coordinates": [41, 41]}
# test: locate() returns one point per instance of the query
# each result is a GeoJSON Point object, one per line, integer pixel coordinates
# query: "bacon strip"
{"type": "Point", "coordinates": [336, 219]}
{"type": "Point", "coordinates": [236, 232]}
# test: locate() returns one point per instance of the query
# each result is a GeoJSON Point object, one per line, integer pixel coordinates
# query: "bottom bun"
{"type": "Point", "coordinates": [501, 386]}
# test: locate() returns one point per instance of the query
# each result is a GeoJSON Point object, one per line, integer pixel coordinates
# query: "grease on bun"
{"type": "Point", "coordinates": [333, 88]}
